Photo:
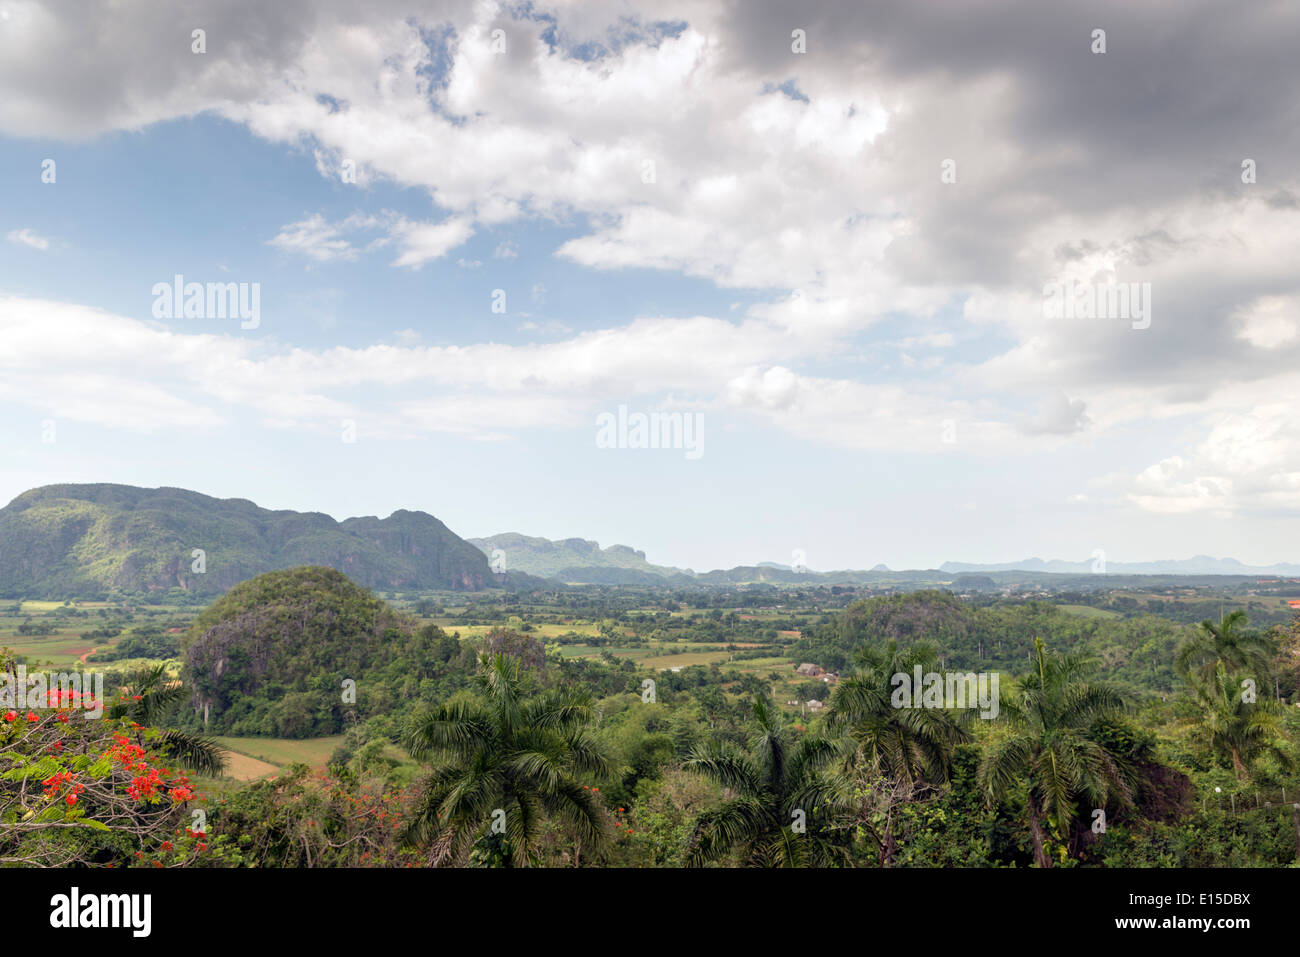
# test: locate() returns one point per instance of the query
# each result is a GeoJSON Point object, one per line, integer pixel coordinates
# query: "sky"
{"type": "Point", "coordinates": [824, 235]}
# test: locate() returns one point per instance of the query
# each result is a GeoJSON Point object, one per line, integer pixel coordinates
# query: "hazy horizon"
{"type": "Point", "coordinates": [751, 561]}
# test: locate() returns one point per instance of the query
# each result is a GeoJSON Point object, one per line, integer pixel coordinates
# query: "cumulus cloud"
{"type": "Point", "coordinates": [1248, 461]}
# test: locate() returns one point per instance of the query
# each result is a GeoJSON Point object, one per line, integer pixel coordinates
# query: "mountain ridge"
{"type": "Point", "coordinates": [565, 557]}
{"type": "Point", "coordinates": [70, 540]}
{"type": "Point", "coordinates": [1196, 565]}
{"type": "Point", "coordinates": [76, 540]}
{"type": "Point", "coordinates": [533, 554]}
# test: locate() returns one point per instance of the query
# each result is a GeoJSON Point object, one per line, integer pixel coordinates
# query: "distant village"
{"type": "Point", "coordinates": [809, 670]}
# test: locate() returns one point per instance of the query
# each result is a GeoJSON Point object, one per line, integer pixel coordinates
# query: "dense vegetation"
{"type": "Point", "coordinates": [668, 728]}
{"type": "Point", "coordinates": [88, 540]}
{"type": "Point", "coordinates": [273, 654]}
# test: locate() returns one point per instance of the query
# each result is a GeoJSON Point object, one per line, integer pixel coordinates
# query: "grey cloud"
{"type": "Point", "coordinates": [1058, 415]}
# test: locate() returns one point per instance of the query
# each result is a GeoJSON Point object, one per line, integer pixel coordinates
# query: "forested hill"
{"type": "Point", "coordinates": [271, 655]}
{"type": "Point", "coordinates": [63, 541]}
{"type": "Point", "coordinates": [1137, 652]}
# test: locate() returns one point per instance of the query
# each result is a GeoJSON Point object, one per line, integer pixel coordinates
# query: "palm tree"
{"type": "Point", "coordinates": [901, 750]}
{"type": "Point", "coordinates": [1228, 643]}
{"type": "Point", "coordinates": [1232, 727]}
{"type": "Point", "coordinates": [776, 789]}
{"type": "Point", "coordinates": [504, 763]}
{"type": "Point", "coordinates": [153, 694]}
{"type": "Point", "coordinates": [1052, 748]}
{"type": "Point", "coordinates": [909, 745]}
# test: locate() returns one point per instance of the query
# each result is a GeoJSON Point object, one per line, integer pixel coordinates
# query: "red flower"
{"type": "Point", "coordinates": [11, 715]}
{"type": "Point", "coordinates": [32, 716]}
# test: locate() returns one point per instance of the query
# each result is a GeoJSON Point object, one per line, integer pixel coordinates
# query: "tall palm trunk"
{"type": "Point", "coordinates": [889, 847]}
{"type": "Point", "coordinates": [1238, 765]}
{"type": "Point", "coordinates": [1036, 831]}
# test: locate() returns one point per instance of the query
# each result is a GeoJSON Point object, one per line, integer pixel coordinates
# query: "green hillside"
{"type": "Point", "coordinates": [64, 541]}
{"type": "Point", "coordinates": [271, 656]}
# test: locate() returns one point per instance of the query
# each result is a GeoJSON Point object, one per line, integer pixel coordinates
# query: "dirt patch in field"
{"type": "Point", "coordinates": [241, 767]}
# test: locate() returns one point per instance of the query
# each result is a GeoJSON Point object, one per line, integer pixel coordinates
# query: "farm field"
{"type": "Point", "coordinates": [281, 752]}
{"type": "Point", "coordinates": [545, 632]}
{"type": "Point", "coordinates": [242, 768]}
{"type": "Point", "coordinates": [62, 651]}
{"type": "Point", "coordinates": [664, 662]}
{"type": "Point", "coordinates": [1087, 611]}
{"type": "Point", "coordinates": [255, 759]}
{"type": "Point", "coordinates": [592, 651]}
{"type": "Point", "coordinates": [72, 628]}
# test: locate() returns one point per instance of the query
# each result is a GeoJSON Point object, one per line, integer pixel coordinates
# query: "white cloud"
{"type": "Point", "coordinates": [422, 242]}
{"type": "Point", "coordinates": [314, 238]}
{"type": "Point", "coordinates": [26, 237]}
{"type": "Point", "coordinates": [419, 242]}
{"type": "Point", "coordinates": [857, 415]}
{"type": "Point", "coordinates": [1249, 460]}
{"type": "Point", "coordinates": [830, 206]}
{"type": "Point", "coordinates": [1269, 321]}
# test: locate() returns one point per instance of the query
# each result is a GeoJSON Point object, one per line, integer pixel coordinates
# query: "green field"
{"type": "Point", "coordinates": [592, 651]}
{"type": "Point", "coordinates": [664, 662]}
{"type": "Point", "coordinates": [541, 632]}
{"type": "Point", "coordinates": [71, 638]}
{"type": "Point", "coordinates": [282, 752]}
{"type": "Point", "coordinates": [1087, 611]}
{"type": "Point", "coordinates": [253, 759]}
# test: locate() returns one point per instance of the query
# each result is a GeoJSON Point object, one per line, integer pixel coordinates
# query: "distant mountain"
{"type": "Point", "coordinates": [577, 560]}
{"type": "Point", "coordinates": [582, 561]}
{"type": "Point", "coordinates": [71, 541]}
{"type": "Point", "coordinates": [1199, 565]}
{"type": "Point", "coordinates": [64, 541]}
